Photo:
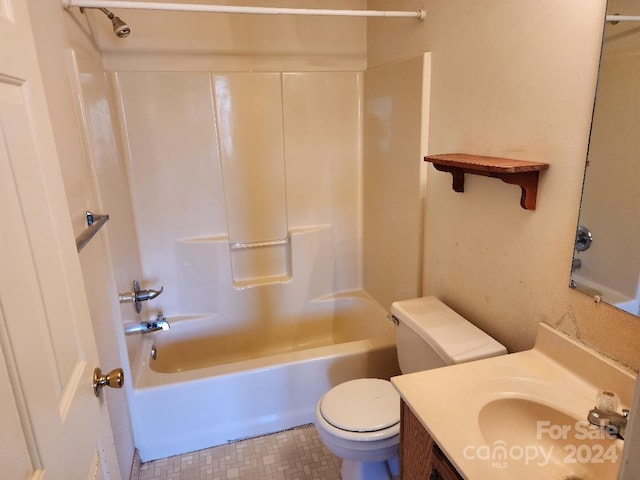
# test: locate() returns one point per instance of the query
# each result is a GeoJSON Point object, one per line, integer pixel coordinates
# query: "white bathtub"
{"type": "Point", "coordinates": [208, 388]}
{"type": "Point", "coordinates": [606, 294]}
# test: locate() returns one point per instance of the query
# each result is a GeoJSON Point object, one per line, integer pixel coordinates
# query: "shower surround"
{"type": "Point", "coordinates": [243, 160]}
{"type": "Point", "coordinates": [246, 193]}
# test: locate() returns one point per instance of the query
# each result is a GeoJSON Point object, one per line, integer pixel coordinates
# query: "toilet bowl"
{"type": "Point", "coordinates": [359, 420]}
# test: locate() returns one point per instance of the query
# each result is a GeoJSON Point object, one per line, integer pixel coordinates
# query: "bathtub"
{"type": "Point", "coordinates": [606, 294]}
{"type": "Point", "coordinates": [207, 388]}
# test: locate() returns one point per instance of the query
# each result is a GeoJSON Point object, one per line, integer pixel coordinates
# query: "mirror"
{"type": "Point", "coordinates": [606, 262]}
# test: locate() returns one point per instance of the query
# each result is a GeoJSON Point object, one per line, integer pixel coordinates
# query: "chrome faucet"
{"type": "Point", "coordinates": [137, 295]}
{"type": "Point", "coordinates": [605, 415]}
{"type": "Point", "coordinates": [160, 323]}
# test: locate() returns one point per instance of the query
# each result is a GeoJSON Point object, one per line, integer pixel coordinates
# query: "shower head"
{"type": "Point", "coordinates": [120, 28]}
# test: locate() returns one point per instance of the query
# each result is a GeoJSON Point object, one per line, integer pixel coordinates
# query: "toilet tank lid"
{"type": "Point", "coordinates": [454, 338]}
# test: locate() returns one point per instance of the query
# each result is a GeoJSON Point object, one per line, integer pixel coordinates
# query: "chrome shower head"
{"type": "Point", "coordinates": [120, 28]}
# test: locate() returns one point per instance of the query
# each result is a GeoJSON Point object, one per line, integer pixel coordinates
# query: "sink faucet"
{"type": "Point", "coordinates": [160, 323]}
{"type": "Point", "coordinates": [605, 414]}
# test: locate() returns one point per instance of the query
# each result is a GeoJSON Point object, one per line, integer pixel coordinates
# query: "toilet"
{"type": "Point", "coordinates": [359, 420]}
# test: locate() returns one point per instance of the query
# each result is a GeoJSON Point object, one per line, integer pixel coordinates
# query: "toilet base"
{"type": "Point", "coordinates": [355, 470]}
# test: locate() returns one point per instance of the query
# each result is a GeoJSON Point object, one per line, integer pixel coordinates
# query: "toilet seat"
{"type": "Point", "coordinates": [362, 409]}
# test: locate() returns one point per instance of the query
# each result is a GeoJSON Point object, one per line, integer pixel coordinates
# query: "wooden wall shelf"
{"type": "Point", "coordinates": [518, 172]}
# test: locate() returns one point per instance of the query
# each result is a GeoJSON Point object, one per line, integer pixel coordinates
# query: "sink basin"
{"type": "Point", "coordinates": [522, 416]}
{"type": "Point", "coordinates": [520, 432]}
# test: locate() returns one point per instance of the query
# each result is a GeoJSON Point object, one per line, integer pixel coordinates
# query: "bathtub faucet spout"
{"type": "Point", "coordinates": [159, 323]}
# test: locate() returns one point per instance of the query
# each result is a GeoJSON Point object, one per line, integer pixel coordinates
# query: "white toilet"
{"type": "Point", "coordinates": [359, 420]}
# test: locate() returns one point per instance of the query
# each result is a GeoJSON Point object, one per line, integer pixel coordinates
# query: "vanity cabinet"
{"type": "Point", "coordinates": [420, 456]}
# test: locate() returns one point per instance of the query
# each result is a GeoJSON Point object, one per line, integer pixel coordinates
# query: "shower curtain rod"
{"type": "Point", "coordinates": [192, 7]}
{"type": "Point", "coordinates": [623, 18]}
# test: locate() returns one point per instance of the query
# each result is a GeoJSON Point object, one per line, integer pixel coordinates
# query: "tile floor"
{"type": "Point", "coordinates": [296, 454]}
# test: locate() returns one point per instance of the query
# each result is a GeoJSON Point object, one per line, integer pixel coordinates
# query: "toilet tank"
{"type": "Point", "coordinates": [429, 334]}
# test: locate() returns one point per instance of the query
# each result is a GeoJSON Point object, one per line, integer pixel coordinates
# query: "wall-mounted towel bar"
{"type": "Point", "coordinates": [269, 243]}
{"type": "Point", "coordinates": [94, 223]}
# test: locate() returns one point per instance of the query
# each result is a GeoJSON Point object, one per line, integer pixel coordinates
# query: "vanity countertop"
{"type": "Point", "coordinates": [522, 415]}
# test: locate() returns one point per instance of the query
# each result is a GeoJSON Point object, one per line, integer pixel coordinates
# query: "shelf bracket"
{"type": "Point", "coordinates": [528, 183]}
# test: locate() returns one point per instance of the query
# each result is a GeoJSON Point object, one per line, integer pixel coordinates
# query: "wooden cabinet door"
{"type": "Point", "coordinates": [420, 457]}
{"type": "Point", "coordinates": [441, 469]}
{"type": "Point", "coordinates": [416, 447]}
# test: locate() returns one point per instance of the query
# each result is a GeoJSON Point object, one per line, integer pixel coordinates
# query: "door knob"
{"type": "Point", "coordinates": [113, 379]}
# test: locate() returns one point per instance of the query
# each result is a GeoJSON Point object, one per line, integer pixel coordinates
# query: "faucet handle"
{"type": "Point", "coordinates": [137, 295]}
{"type": "Point", "coordinates": [607, 401]}
{"type": "Point", "coordinates": [147, 294]}
{"type": "Point", "coordinates": [160, 322]}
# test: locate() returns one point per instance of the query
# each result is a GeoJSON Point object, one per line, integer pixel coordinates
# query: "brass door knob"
{"type": "Point", "coordinates": [113, 379]}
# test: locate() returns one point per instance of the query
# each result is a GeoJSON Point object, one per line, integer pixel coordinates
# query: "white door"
{"type": "Point", "coordinates": [47, 347]}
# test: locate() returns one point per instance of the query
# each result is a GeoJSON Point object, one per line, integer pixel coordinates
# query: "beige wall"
{"type": "Point", "coordinates": [170, 41]}
{"type": "Point", "coordinates": [513, 79]}
{"type": "Point", "coordinates": [393, 178]}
